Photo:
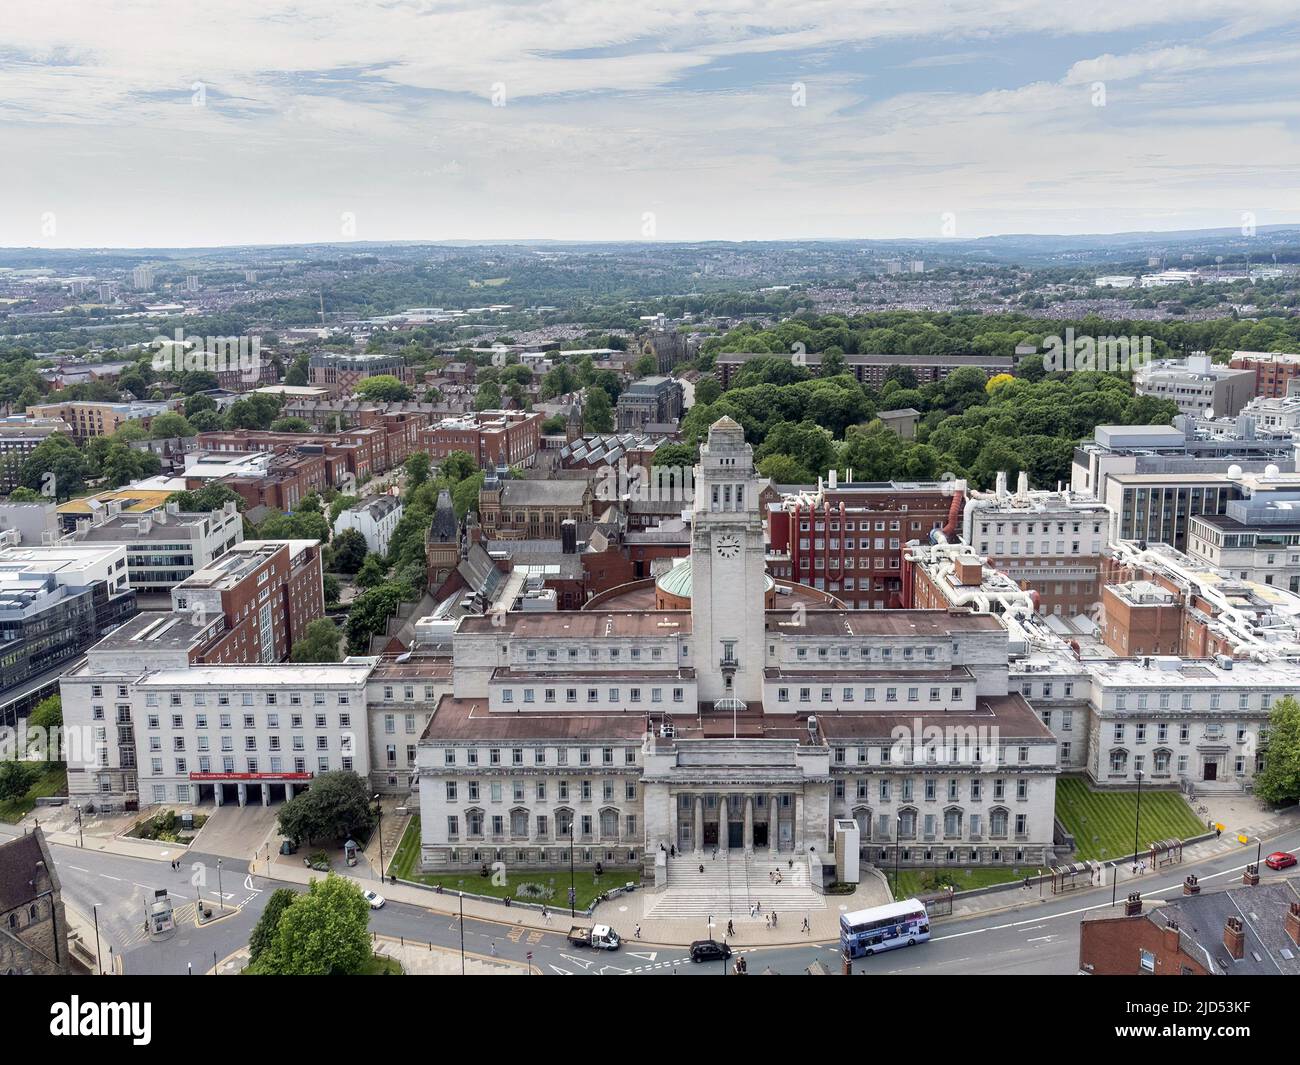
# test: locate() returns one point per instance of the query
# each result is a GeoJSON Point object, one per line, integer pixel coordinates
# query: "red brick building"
{"type": "Point", "coordinates": [491, 437]}
{"type": "Point", "coordinates": [268, 592]}
{"type": "Point", "coordinates": [1273, 370]}
{"type": "Point", "coordinates": [848, 539]}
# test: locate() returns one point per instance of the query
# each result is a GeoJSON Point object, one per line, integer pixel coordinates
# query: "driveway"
{"type": "Point", "coordinates": [236, 832]}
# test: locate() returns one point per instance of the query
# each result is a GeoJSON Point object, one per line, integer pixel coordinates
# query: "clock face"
{"type": "Point", "coordinates": [728, 546]}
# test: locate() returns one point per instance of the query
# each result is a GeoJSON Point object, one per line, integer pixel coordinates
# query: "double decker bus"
{"type": "Point", "coordinates": [898, 924]}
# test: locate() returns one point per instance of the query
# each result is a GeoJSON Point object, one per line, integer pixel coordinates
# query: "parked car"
{"type": "Point", "coordinates": [1280, 860]}
{"type": "Point", "coordinates": [709, 950]}
{"type": "Point", "coordinates": [375, 899]}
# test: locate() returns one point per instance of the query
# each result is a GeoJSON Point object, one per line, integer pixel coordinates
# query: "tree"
{"type": "Point", "coordinates": [707, 389]}
{"type": "Point", "coordinates": [16, 777]}
{"type": "Point", "coordinates": [372, 572]}
{"type": "Point", "coordinates": [56, 468]}
{"type": "Point", "coordinates": [555, 424]}
{"type": "Point", "coordinates": [384, 388]}
{"type": "Point", "coordinates": [782, 469]}
{"type": "Point", "coordinates": [370, 612]}
{"type": "Point", "coordinates": [319, 643]}
{"type": "Point", "coordinates": [336, 806]}
{"type": "Point", "coordinates": [291, 425]}
{"type": "Point", "coordinates": [209, 497]}
{"type": "Point", "coordinates": [682, 456]}
{"type": "Point", "coordinates": [1278, 782]}
{"type": "Point", "coordinates": [597, 414]}
{"type": "Point", "coordinates": [417, 469]}
{"type": "Point", "coordinates": [331, 588]}
{"type": "Point", "coordinates": [169, 425]}
{"type": "Point", "coordinates": [297, 375]}
{"type": "Point", "coordinates": [645, 366]}
{"type": "Point", "coordinates": [264, 931]}
{"type": "Point", "coordinates": [303, 525]}
{"type": "Point", "coordinates": [349, 551]}
{"type": "Point", "coordinates": [22, 494]}
{"type": "Point", "coordinates": [488, 396]}
{"type": "Point", "coordinates": [322, 932]}
{"type": "Point", "coordinates": [464, 495]}
{"type": "Point", "coordinates": [457, 466]}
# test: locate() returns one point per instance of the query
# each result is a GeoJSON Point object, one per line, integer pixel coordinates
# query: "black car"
{"type": "Point", "coordinates": [709, 950]}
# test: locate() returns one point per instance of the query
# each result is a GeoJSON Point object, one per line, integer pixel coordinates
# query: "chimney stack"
{"type": "Point", "coordinates": [1191, 886]}
{"type": "Point", "coordinates": [1133, 905]}
{"type": "Point", "coordinates": [1292, 925]}
{"type": "Point", "coordinates": [1234, 938]}
{"type": "Point", "coordinates": [1250, 877]}
{"type": "Point", "coordinates": [1170, 936]}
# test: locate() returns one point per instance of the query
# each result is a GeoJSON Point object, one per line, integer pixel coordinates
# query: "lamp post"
{"type": "Point", "coordinates": [573, 893]}
{"type": "Point", "coordinates": [898, 848]}
{"type": "Point", "coordinates": [379, 809]}
{"type": "Point", "coordinates": [81, 839]}
{"type": "Point", "coordinates": [462, 933]}
{"type": "Point", "coordinates": [98, 957]}
{"type": "Point", "coordinates": [1137, 820]}
{"type": "Point", "coordinates": [221, 899]}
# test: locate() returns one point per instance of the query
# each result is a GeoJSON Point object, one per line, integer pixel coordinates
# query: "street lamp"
{"type": "Point", "coordinates": [898, 848]}
{"type": "Point", "coordinates": [81, 839]}
{"type": "Point", "coordinates": [221, 899]}
{"type": "Point", "coordinates": [1137, 821]}
{"type": "Point", "coordinates": [573, 893]}
{"type": "Point", "coordinates": [379, 808]}
{"type": "Point", "coordinates": [462, 932]}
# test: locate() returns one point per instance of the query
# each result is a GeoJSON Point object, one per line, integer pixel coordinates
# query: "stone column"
{"type": "Point", "coordinates": [773, 825]}
{"type": "Point", "coordinates": [749, 825]}
{"type": "Point", "coordinates": [266, 794]}
{"type": "Point", "coordinates": [217, 793]}
{"type": "Point", "coordinates": [799, 842]}
{"type": "Point", "coordinates": [288, 791]}
{"type": "Point", "coordinates": [723, 815]}
{"type": "Point", "coordinates": [698, 838]}
{"type": "Point", "coordinates": [242, 790]}
{"type": "Point", "coordinates": [671, 841]}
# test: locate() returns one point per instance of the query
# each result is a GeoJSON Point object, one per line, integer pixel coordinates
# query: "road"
{"type": "Point", "coordinates": [1035, 939]}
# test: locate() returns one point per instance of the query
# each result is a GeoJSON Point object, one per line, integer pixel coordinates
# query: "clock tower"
{"type": "Point", "coordinates": [728, 569]}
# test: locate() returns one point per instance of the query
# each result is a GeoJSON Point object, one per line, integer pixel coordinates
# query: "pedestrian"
{"type": "Point", "coordinates": [774, 918]}
{"type": "Point", "coordinates": [731, 929]}
{"type": "Point", "coordinates": [701, 868]}
{"type": "Point", "coordinates": [672, 851]}
{"type": "Point", "coordinates": [791, 863]}
{"type": "Point", "coordinates": [493, 948]}
{"type": "Point", "coordinates": [638, 931]}
{"type": "Point", "coordinates": [806, 926]}
{"type": "Point", "coordinates": [767, 921]}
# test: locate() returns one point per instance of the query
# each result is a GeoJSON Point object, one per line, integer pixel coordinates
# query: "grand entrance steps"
{"type": "Point", "coordinates": [729, 886]}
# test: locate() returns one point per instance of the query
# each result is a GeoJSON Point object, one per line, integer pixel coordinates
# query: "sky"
{"type": "Point", "coordinates": [174, 123]}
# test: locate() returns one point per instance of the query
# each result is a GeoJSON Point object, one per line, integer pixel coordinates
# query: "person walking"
{"type": "Point", "coordinates": [806, 926]}
{"type": "Point", "coordinates": [731, 929]}
{"type": "Point", "coordinates": [638, 931]}
{"type": "Point", "coordinates": [493, 948]}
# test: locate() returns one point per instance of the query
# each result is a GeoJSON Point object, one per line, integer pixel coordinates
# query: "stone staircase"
{"type": "Point", "coordinates": [729, 886]}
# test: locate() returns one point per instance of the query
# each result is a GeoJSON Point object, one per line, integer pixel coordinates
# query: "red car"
{"type": "Point", "coordinates": [1280, 860]}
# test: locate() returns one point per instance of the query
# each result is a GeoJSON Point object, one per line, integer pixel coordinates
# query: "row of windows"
{"type": "Point", "coordinates": [608, 756]}
{"type": "Point", "coordinates": [551, 695]}
{"type": "Point", "coordinates": [934, 695]}
{"type": "Point", "coordinates": [955, 825]}
{"type": "Point", "coordinates": [476, 821]}
{"type": "Point", "coordinates": [1164, 701]}
{"type": "Point", "coordinates": [224, 721]}
{"type": "Point", "coordinates": [593, 654]}
{"type": "Point", "coordinates": [930, 789]}
{"type": "Point", "coordinates": [496, 790]}
{"type": "Point", "coordinates": [965, 753]}
{"type": "Point", "coordinates": [1213, 731]}
{"type": "Point", "coordinates": [251, 765]}
{"type": "Point", "coordinates": [233, 698]}
{"type": "Point", "coordinates": [865, 653]}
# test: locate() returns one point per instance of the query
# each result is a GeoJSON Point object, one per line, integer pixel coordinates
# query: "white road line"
{"type": "Point", "coordinates": [78, 869]}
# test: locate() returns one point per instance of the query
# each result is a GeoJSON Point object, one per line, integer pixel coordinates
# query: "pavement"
{"type": "Point", "coordinates": [624, 913]}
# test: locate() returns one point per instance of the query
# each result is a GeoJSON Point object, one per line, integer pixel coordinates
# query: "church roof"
{"type": "Point", "coordinates": [445, 527]}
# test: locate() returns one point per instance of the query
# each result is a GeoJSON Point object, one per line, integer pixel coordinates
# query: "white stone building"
{"type": "Point", "coordinates": [375, 519]}
{"type": "Point", "coordinates": [628, 731]}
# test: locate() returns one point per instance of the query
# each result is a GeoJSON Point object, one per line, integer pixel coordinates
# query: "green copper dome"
{"type": "Point", "coordinates": [677, 581]}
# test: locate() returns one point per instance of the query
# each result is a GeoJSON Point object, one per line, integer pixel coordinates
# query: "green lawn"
{"type": "Point", "coordinates": [54, 781]}
{"type": "Point", "coordinates": [910, 886]}
{"type": "Point", "coordinates": [379, 965]}
{"type": "Point", "coordinates": [1103, 823]}
{"type": "Point", "coordinates": [586, 885]}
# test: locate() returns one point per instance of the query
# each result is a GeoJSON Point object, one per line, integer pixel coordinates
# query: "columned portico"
{"type": "Point", "coordinates": [749, 825]}
{"type": "Point", "coordinates": [747, 822]}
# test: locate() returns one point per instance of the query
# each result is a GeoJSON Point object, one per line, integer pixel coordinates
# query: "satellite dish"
{"type": "Point", "coordinates": [1270, 470]}
{"type": "Point", "coordinates": [1234, 471]}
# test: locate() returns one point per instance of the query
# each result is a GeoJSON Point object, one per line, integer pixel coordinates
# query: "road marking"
{"type": "Point", "coordinates": [649, 955]}
{"type": "Point", "coordinates": [560, 972]}
{"type": "Point", "coordinates": [78, 869]}
{"type": "Point", "coordinates": [577, 961]}
{"type": "Point", "coordinates": [107, 877]}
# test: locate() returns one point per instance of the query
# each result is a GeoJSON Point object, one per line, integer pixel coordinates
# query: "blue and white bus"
{"type": "Point", "coordinates": [899, 924]}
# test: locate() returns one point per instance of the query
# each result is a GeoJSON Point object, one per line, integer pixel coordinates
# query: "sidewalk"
{"type": "Point", "coordinates": [1018, 897]}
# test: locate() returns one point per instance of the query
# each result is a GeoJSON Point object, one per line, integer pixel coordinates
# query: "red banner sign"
{"type": "Point", "coordinates": [250, 776]}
